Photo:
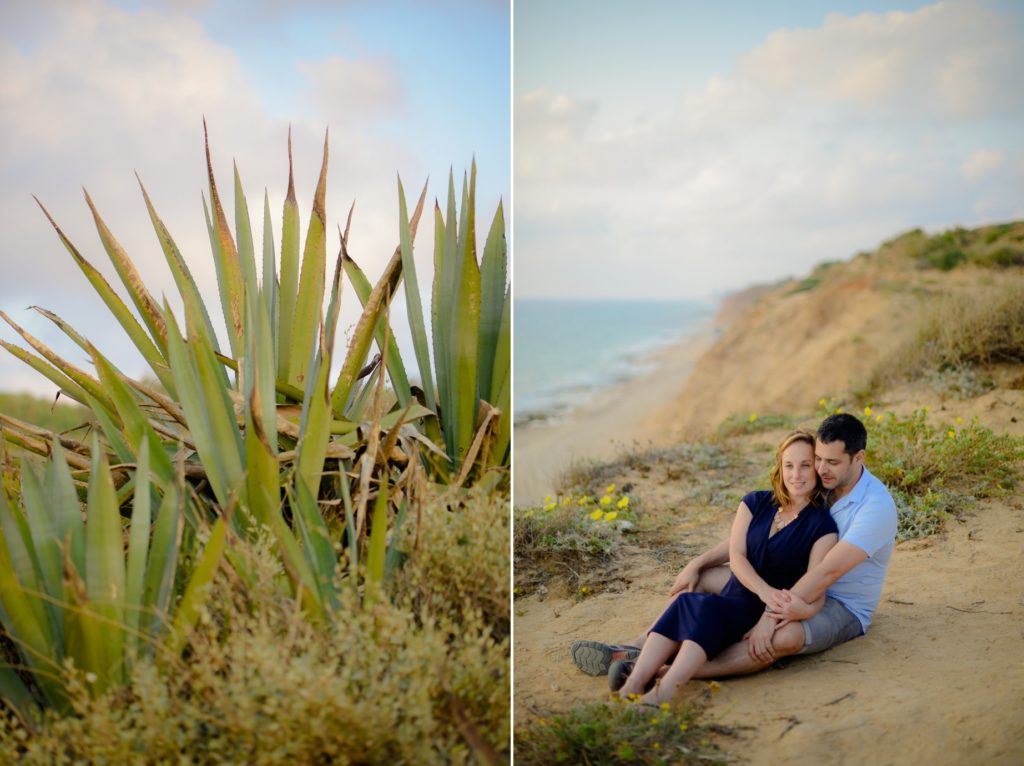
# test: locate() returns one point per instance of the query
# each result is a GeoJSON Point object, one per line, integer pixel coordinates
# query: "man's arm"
{"type": "Point", "coordinates": [841, 559]}
{"type": "Point", "coordinates": [687, 579]}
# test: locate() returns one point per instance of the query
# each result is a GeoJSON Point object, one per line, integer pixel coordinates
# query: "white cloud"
{"type": "Point", "coordinates": [821, 142]}
{"type": "Point", "coordinates": [92, 93]}
{"type": "Point", "coordinates": [982, 164]}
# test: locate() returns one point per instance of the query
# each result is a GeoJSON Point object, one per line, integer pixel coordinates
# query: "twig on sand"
{"type": "Point", "coordinates": [974, 611]}
{"type": "Point", "coordinates": [793, 721]}
{"type": "Point", "coordinates": [848, 695]}
{"type": "Point", "coordinates": [897, 601]}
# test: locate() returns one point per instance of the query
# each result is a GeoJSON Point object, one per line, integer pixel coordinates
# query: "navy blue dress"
{"type": "Point", "coordinates": [717, 621]}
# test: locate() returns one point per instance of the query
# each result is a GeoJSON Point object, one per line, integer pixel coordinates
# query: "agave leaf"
{"type": "Point", "coordinates": [137, 429]}
{"type": "Point", "coordinates": [67, 386]}
{"type": "Point", "coordinates": [85, 381]}
{"type": "Point", "coordinates": [117, 307]}
{"type": "Point", "coordinates": [163, 560]}
{"type": "Point", "coordinates": [289, 274]}
{"type": "Point", "coordinates": [262, 478]}
{"type": "Point", "coordinates": [396, 368]}
{"type": "Point", "coordinates": [197, 590]}
{"type": "Point", "coordinates": [179, 269]}
{"type": "Point", "coordinates": [359, 346]}
{"type": "Point", "coordinates": [316, 540]}
{"type": "Point", "coordinates": [64, 500]}
{"type": "Point", "coordinates": [413, 303]}
{"type": "Point", "coordinates": [268, 286]}
{"type": "Point", "coordinates": [194, 404]}
{"type": "Point", "coordinates": [243, 236]}
{"type": "Point", "coordinates": [45, 539]}
{"type": "Point", "coordinates": [14, 692]}
{"type": "Point", "coordinates": [501, 385]}
{"type": "Point", "coordinates": [138, 543]}
{"type": "Point", "coordinates": [465, 331]}
{"type": "Point", "coordinates": [148, 308]}
{"type": "Point", "coordinates": [20, 545]}
{"type": "Point", "coordinates": [104, 565]}
{"type": "Point", "coordinates": [309, 303]}
{"type": "Point", "coordinates": [493, 276]}
{"type": "Point", "coordinates": [226, 260]}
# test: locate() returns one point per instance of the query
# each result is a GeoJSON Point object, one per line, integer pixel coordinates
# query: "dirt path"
{"type": "Point", "coordinates": [939, 679]}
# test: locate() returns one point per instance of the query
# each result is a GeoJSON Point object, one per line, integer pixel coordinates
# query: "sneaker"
{"type": "Point", "coordinates": [620, 671]}
{"type": "Point", "coordinates": [594, 658]}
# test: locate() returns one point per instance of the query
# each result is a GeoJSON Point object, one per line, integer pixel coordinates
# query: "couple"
{"type": "Point", "coordinates": [801, 572]}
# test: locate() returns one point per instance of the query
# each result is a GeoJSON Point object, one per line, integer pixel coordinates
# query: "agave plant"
{"type": "Point", "coordinates": [254, 436]}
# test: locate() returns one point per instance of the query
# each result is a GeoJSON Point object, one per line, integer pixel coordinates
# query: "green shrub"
{"type": "Point", "coordinates": [1003, 258]}
{"type": "Point", "coordinates": [571, 537]}
{"type": "Point", "coordinates": [618, 735]}
{"type": "Point", "coordinates": [736, 425]}
{"type": "Point", "coordinates": [458, 560]}
{"type": "Point", "coordinates": [936, 471]}
{"type": "Point", "coordinates": [264, 685]}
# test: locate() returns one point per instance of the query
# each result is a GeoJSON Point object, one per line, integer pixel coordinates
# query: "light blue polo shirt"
{"type": "Point", "coordinates": [866, 518]}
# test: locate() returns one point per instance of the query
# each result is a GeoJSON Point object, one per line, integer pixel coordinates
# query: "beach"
{"type": "Point", "coordinates": [613, 419]}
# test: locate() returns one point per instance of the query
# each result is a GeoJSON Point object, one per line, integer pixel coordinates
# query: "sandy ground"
{"type": "Point", "coordinates": [598, 429]}
{"type": "Point", "coordinates": [938, 679]}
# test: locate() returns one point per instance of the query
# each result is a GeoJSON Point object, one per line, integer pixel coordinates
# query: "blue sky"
{"type": "Point", "coordinates": [95, 90]}
{"type": "Point", "coordinates": [682, 149]}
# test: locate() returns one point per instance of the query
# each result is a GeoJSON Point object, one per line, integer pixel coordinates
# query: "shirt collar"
{"type": "Point", "coordinates": [856, 494]}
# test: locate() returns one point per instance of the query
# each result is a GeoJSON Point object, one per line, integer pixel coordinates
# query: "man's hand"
{"type": "Point", "coordinates": [789, 607]}
{"type": "Point", "coordinates": [759, 640]}
{"type": "Point", "coordinates": [686, 580]}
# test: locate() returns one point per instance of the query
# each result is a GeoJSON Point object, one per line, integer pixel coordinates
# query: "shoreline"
{"type": "Point", "coordinates": [601, 426]}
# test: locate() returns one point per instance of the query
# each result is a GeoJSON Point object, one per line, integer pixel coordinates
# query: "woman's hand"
{"type": "Point", "coordinates": [773, 598]}
{"type": "Point", "coordinates": [686, 580]}
{"type": "Point", "coordinates": [759, 640]}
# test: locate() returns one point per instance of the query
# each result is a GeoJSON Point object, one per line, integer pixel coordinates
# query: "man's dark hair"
{"type": "Point", "coordinates": [845, 428]}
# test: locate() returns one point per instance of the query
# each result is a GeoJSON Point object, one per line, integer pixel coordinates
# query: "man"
{"type": "Point", "coordinates": [850, 576]}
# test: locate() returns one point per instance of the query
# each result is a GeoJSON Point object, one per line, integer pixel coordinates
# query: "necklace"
{"type": "Point", "coordinates": [780, 523]}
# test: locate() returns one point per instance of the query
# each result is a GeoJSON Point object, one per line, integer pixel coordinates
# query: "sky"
{"type": "Point", "coordinates": [686, 149]}
{"type": "Point", "coordinates": [93, 91]}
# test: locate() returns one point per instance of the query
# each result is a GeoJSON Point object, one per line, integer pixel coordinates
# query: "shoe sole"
{"type": "Point", "coordinates": [594, 658]}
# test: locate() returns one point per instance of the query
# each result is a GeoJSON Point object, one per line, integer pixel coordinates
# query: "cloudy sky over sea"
{"type": "Point", "coordinates": [682, 149]}
{"type": "Point", "coordinates": [92, 91]}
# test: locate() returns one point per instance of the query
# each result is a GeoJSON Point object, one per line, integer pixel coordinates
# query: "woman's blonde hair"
{"type": "Point", "coordinates": [782, 497]}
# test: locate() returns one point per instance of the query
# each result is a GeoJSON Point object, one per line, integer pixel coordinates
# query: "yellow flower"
{"type": "Point", "coordinates": [821, 402]}
{"type": "Point", "coordinates": [547, 498]}
{"type": "Point", "coordinates": [609, 489]}
{"type": "Point", "coordinates": [714, 686]}
{"type": "Point", "coordinates": [654, 722]}
{"type": "Point", "coordinates": [838, 410]}
{"type": "Point", "coordinates": [867, 411]}
{"type": "Point", "coordinates": [951, 433]}
{"type": "Point", "coordinates": [665, 706]}
{"type": "Point", "coordinates": [584, 500]}
{"type": "Point", "coordinates": [550, 506]}
{"type": "Point", "coordinates": [752, 418]}
{"type": "Point", "coordinates": [606, 500]}
{"type": "Point", "coordinates": [656, 746]}
{"type": "Point", "coordinates": [596, 515]}
{"type": "Point", "coordinates": [959, 420]}
{"type": "Point", "coordinates": [927, 409]}
{"type": "Point", "coordinates": [567, 501]}
{"type": "Point", "coordinates": [623, 503]}
{"type": "Point", "coordinates": [878, 418]}
{"type": "Point", "coordinates": [611, 516]}
{"type": "Point", "coordinates": [683, 727]}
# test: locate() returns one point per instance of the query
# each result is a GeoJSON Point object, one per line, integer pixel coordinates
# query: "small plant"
{"type": "Point", "coordinates": [738, 424]}
{"type": "Point", "coordinates": [619, 735]}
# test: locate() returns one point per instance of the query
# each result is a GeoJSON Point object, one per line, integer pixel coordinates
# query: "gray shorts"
{"type": "Point", "coordinates": [833, 625]}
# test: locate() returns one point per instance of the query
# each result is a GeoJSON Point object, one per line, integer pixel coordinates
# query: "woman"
{"type": "Point", "coordinates": [776, 536]}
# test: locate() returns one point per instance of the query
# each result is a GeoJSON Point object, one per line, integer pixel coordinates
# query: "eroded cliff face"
{"type": "Point", "coordinates": [782, 348]}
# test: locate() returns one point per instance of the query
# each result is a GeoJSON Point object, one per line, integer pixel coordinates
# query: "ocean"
{"type": "Point", "coordinates": [565, 351]}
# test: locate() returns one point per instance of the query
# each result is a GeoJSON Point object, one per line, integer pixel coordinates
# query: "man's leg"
{"type": "Point", "coordinates": [735, 660]}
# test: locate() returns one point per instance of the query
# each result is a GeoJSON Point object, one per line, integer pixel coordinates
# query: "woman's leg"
{"type": "Point", "coordinates": [657, 648]}
{"type": "Point", "coordinates": [690, 657]}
